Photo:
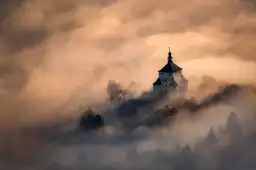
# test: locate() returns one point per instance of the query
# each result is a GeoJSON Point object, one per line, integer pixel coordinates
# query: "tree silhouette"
{"type": "Point", "coordinates": [54, 166]}
{"type": "Point", "coordinates": [233, 128]}
{"type": "Point", "coordinates": [208, 143]}
{"type": "Point", "coordinates": [185, 159]}
{"type": "Point", "coordinates": [186, 150]}
{"type": "Point", "coordinates": [211, 138]}
{"type": "Point", "coordinates": [116, 92]}
{"type": "Point", "coordinates": [90, 120]}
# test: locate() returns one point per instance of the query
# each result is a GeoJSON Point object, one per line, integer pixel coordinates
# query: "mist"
{"type": "Point", "coordinates": [57, 56]}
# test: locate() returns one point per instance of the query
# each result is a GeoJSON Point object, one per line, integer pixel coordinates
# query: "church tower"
{"type": "Point", "coordinates": [170, 78]}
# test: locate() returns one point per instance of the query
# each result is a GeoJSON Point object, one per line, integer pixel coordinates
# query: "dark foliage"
{"type": "Point", "coordinates": [158, 118]}
{"type": "Point", "coordinates": [116, 92]}
{"type": "Point", "coordinates": [127, 110]}
{"type": "Point", "coordinates": [223, 95]}
{"type": "Point", "coordinates": [91, 121]}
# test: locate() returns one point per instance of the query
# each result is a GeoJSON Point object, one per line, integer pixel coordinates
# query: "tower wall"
{"type": "Point", "coordinates": [163, 89]}
{"type": "Point", "coordinates": [166, 78]}
{"type": "Point", "coordinates": [169, 78]}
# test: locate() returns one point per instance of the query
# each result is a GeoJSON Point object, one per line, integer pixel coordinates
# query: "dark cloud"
{"type": "Point", "coordinates": [7, 7]}
{"type": "Point", "coordinates": [12, 78]}
{"type": "Point", "coordinates": [194, 17]}
{"type": "Point", "coordinates": [19, 33]}
{"type": "Point", "coordinates": [250, 4]}
{"type": "Point", "coordinates": [102, 3]}
{"type": "Point", "coordinates": [183, 21]}
{"type": "Point", "coordinates": [112, 43]}
{"type": "Point", "coordinates": [242, 41]}
{"type": "Point", "coordinates": [28, 25]}
{"type": "Point", "coordinates": [19, 39]}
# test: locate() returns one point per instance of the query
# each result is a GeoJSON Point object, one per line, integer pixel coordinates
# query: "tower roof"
{"type": "Point", "coordinates": [157, 82]}
{"type": "Point", "coordinates": [170, 67]}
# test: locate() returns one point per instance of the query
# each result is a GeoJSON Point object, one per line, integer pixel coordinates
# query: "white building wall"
{"type": "Point", "coordinates": [163, 88]}
{"type": "Point", "coordinates": [166, 78]}
{"type": "Point", "coordinates": [156, 88]}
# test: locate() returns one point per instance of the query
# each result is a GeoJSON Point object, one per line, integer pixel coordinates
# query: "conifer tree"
{"type": "Point", "coordinates": [233, 128]}
{"type": "Point", "coordinates": [211, 138]}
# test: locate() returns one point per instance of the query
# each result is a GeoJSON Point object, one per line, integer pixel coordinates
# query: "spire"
{"type": "Point", "coordinates": [169, 56]}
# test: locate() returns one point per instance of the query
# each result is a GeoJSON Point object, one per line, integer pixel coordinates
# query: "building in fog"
{"type": "Point", "coordinates": [170, 78]}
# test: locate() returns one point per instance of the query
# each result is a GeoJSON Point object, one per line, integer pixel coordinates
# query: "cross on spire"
{"type": "Point", "coordinates": [169, 56]}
